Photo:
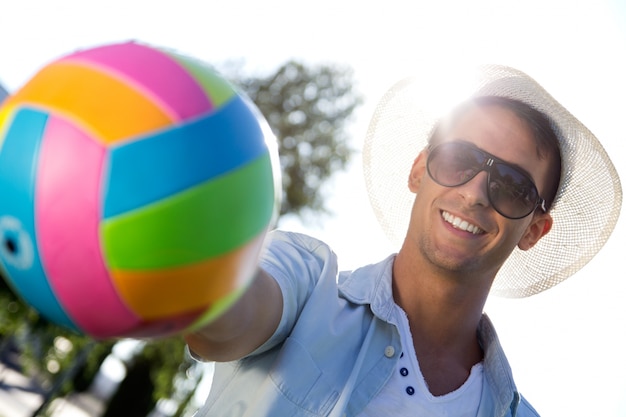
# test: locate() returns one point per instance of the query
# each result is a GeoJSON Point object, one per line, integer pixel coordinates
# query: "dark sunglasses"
{"type": "Point", "coordinates": [511, 192]}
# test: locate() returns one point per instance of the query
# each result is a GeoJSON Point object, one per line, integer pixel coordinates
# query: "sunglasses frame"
{"type": "Point", "coordinates": [487, 165]}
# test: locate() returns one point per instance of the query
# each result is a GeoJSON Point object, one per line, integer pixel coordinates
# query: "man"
{"type": "Point", "coordinates": [407, 336]}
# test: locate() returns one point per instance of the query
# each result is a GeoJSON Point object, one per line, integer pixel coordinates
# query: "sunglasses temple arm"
{"type": "Point", "coordinates": [542, 204]}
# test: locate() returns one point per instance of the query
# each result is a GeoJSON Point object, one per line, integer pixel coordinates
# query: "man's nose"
{"type": "Point", "coordinates": [474, 192]}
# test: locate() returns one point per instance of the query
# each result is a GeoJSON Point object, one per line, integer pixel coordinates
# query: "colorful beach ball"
{"type": "Point", "coordinates": [136, 188]}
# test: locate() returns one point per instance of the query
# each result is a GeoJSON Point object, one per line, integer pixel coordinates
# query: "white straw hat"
{"type": "Point", "coordinates": [587, 204]}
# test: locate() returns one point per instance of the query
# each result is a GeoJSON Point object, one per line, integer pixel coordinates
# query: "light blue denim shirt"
{"type": "Point", "coordinates": [337, 344]}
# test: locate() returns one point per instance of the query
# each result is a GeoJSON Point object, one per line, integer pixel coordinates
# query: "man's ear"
{"type": "Point", "coordinates": [538, 228]}
{"type": "Point", "coordinates": [417, 171]}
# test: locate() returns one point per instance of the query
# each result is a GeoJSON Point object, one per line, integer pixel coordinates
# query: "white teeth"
{"type": "Point", "coordinates": [461, 224]}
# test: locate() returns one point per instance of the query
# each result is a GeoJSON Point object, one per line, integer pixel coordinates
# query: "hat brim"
{"type": "Point", "coordinates": [585, 210]}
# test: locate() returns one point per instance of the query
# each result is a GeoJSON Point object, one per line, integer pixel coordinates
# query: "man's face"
{"type": "Point", "coordinates": [455, 228]}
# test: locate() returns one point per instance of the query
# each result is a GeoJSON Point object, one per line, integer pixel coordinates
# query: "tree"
{"type": "Point", "coordinates": [308, 109]}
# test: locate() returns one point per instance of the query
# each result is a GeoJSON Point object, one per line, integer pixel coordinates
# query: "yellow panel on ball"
{"type": "Point", "coordinates": [114, 110]}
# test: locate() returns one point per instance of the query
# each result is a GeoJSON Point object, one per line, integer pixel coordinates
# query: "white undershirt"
{"type": "Point", "coordinates": [406, 392]}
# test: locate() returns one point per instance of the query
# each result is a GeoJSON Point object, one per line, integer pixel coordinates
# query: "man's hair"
{"type": "Point", "coordinates": [544, 134]}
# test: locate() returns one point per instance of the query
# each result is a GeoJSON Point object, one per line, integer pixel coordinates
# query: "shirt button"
{"type": "Point", "coordinates": [410, 390]}
{"type": "Point", "coordinates": [389, 351]}
{"type": "Point", "coordinates": [404, 371]}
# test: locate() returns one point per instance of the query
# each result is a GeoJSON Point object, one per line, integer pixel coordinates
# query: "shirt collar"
{"type": "Point", "coordinates": [371, 285]}
{"type": "Point", "coordinates": [498, 372]}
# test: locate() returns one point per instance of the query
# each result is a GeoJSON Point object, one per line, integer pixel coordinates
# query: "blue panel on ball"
{"type": "Point", "coordinates": [19, 255]}
{"type": "Point", "coordinates": [150, 169]}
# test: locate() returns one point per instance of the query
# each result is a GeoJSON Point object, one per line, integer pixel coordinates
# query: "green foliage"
{"type": "Point", "coordinates": [14, 313]}
{"type": "Point", "coordinates": [308, 108]}
{"type": "Point", "coordinates": [169, 354]}
{"type": "Point", "coordinates": [47, 350]}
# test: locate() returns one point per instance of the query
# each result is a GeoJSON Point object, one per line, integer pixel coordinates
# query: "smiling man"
{"type": "Point", "coordinates": [475, 202]}
{"type": "Point", "coordinates": [472, 200]}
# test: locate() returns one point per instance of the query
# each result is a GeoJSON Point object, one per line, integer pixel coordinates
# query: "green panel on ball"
{"type": "Point", "coordinates": [210, 219]}
{"type": "Point", "coordinates": [217, 89]}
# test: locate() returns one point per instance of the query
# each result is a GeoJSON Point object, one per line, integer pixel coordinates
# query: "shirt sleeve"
{"type": "Point", "coordinates": [297, 262]}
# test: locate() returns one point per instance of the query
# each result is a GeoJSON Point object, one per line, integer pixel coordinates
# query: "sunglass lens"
{"type": "Point", "coordinates": [511, 192]}
{"type": "Point", "coordinates": [453, 164]}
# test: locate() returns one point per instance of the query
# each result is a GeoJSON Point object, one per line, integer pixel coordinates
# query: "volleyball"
{"type": "Point", "coordinates": [137, 188]}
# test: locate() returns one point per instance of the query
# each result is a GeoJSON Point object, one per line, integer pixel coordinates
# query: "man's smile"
{"type": "Point", "coordinates": [461, 224]}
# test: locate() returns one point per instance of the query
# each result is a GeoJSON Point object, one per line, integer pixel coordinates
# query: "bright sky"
{"type": "Point", "coordinates": [567, 345]}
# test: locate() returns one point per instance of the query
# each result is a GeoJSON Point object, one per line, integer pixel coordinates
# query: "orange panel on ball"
{"type": "Point", "coordinates": [170, 291]}
{"type": "Point", "coordinates": [97, 101]}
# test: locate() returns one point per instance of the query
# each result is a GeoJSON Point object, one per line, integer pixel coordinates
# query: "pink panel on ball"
{"type": "Point", "coordinates": [67, 213]}
{"type": "Point", "coordinates": [146, 69]}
